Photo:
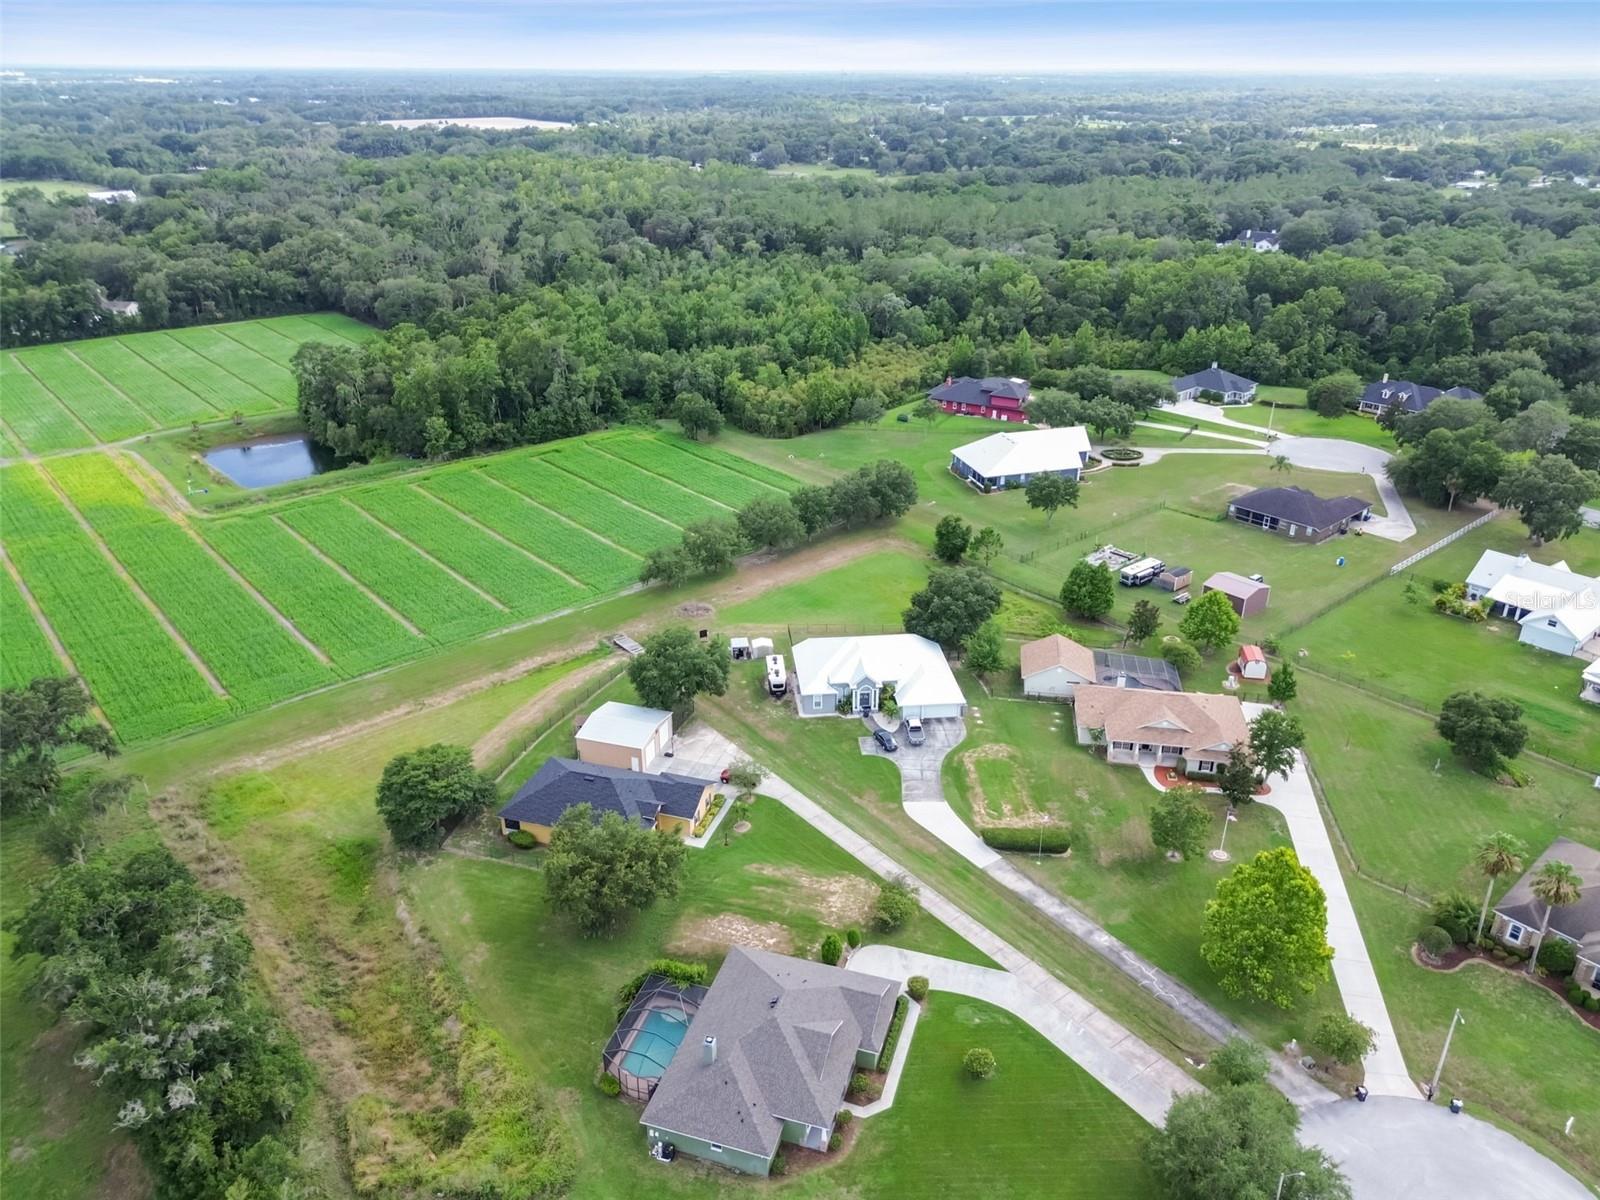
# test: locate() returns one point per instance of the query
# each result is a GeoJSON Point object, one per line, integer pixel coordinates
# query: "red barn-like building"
{"type": "Point", "coordinates": [996, 398]}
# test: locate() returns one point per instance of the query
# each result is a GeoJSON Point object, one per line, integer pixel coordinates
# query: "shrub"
{"type": "Point", "coordinates": [1575, 995]}
{"type": "Point", "coordinates": [1239, 1061]}
{"type": "Point", "coordinates": [780, 1164]}
{"type": "Point", "coordinates": [1344, 1039]}
{"type": "Point", "coordinates": [978, 1062]}
{"type": "Point", "coordinates": [1457, 915]}
{"type": "Point", "coordinates": [1592, 1002]}
{"type": "Point", "coordinates": [863, 1088]}
{"type": "Point", "coordinates": [610, 1085]}
{"type": "Point", "coordinates": [522, 839]}
{"type": "Point", "coordinates": [843, 1119]}
{"type": "Point", "coordinates": [684, 974]}
{"type": "Point", "coordinates": [1181, 655]}
{"type": "Point", "coordinates": [835, 1140]}
{"type": "Point", "coordinates": [1042, 839]}
{"type": "Point", "coordinates": [892, 1038]}
{"type": "Point", "coordinates": [1435, 941]}
{"type": "Point", "coordinates": [1558, 956]}
{"type": "Point", "coordinates": [897, 903]}
{"type": "Point", "coordinates": [852, 937]}
{"type": "Point", "coordinates": [903, 418]}
{"type": "Point", "coordinates": [1500, 953]}
{"type": "Point", "coordinates": [917, 986]}
{"type": "Point", "coordinates": [831, 949]}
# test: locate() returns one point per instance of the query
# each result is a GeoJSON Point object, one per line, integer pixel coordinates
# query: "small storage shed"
{"type": "Point", "coordinates": [760, 647]}
{"type": "Point", "coordinates": [739, 647]}
{"type": "Point", "coordinates": [1252, 663]}
{"type": "Point", "coordinates": [1175, 579]}
{"type": "Point", "coordinates": [1246, 595]}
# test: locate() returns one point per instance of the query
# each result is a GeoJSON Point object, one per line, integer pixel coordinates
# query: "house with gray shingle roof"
{"type": "Point", "coordinates": [1234, 389]}
{"type": "Point", "coordinates": [674, 803]}
{"type": "Point", "coordinates": [767, 1059]}
{"type": "Point", "coordinates": [1520, 913]}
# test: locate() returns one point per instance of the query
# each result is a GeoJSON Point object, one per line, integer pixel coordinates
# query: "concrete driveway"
{"type": "Point", "coordinates": [922, 792]}
{"type": "Point", "coordinates": [1352, 458]}
{"type": "Point", "coordinates": [1391, 1148]}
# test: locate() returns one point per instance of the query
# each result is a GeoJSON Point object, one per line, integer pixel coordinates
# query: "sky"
{"type": "Point", "coordinates": [1228, 40]}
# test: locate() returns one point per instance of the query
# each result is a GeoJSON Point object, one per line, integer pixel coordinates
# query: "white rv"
{"type": "Point", "coordinates": [777, 677]}
{"type": "Point", "coordinates": [1137, 574]}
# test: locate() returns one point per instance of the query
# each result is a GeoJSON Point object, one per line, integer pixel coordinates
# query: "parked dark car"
{"type": "Point", "coordinates": [885, 740]}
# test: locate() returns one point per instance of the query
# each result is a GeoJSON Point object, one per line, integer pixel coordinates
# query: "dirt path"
{"type": "Point", "coordinates": [486, 748]}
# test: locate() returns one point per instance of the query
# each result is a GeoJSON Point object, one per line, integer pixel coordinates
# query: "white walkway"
{"type": "Point", "coordinates": [1256, 443]}
{"type": "Point", "coordinates": [902, 1048]}
{"type": "Point", "coordinates": [1128, 1067]}
{"type": "Point", "coordinates": [1352, 965]}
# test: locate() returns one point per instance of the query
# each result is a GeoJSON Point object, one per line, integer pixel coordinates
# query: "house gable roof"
{"type": "Point", "coordinates": [787, 1032]}
{"type": "Point", "coordinates": [993, 391]}
{"type": "Point", "coordinates": [1297, 506]}
{"type": "Point", "coordinates": [563, 783]}
{"type": "Point", "coordinates": [1026, 452]}
{"type": "Point", "coordinates": [1581, 921]}
{"type": "Point", "coordinates": [1054, 651]}
{"type": "Point", "coordinates": [1190, 720]}
{"type": "Point", "coordinates": [1411, 397]}
{"type": "Point", "coordinates": [1213, 379]}
{"type": "Point", "coordinates": [619, 724]}
{"type": "Point", "coordinates": [915, 665]}
{"type": "Point", "coordinates": [1545, 589]}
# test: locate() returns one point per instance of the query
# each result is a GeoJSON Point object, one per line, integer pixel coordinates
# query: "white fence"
{"type": "Point", "coordinates": [1444, 541]}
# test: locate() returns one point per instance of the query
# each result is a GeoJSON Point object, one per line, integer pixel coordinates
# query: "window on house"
{"type": "Point", "coordinates": [1597, 977]}
{"type": "Point", "coordinates": [714, 1148]}
{"type": "Point", "coordinates": [1122, 745]}
{"type": "Point", "coordinates": [510, 824]}
{"type": "Point", "coordinates": [1551, 622]}
{"type": "Point", "coordinates": [1172, 749]}
{"type": "Point", "coordinates": [1515, 932]}
{"type": "Point", "coordinates": [816, 704]}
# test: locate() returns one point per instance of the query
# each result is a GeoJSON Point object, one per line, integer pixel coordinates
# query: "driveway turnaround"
{"type": "Point", "coordinates": [1352, 965]}
{"type": "Point", "coordinates": [1128, 1067]}
{"type": "Point", "coordinates": [923, 800]}
{"type": "Point", "coordinates": [1391, 1148]}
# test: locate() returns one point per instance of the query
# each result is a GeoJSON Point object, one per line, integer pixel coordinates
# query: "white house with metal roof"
{"type": "Point", "coordinates": [1557, 608]}
{"type": "Point", "coordinates": [853, 675]}
{"type": "Point", "coordinates": [1007, 460]}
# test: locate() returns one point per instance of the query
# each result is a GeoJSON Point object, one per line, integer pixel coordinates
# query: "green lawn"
{"type": "Point", "coordinates": [1522, 1059]}
{"type": "Point", "coordinates": [869, 592]}
{"type": "Point", "coordinates": [1381, 639]}
{"type": "Point", "coordinates": [1040, 1127]}
{"type": "Point", "coordinates": [1302, 422]}
{"type": "Point", "coordinates": [1113, 872]}
{"type": "Point", "coordinates": [1146, 436]}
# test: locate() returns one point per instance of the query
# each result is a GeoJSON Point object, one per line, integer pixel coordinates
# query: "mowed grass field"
{"type": "Point", "coordinates": [74, 394]}
{"type": "Point", "coordinates": [175, 620]}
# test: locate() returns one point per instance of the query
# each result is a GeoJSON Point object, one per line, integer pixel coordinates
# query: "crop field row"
{"type": "Point", "coordinates": [701, 475]}
{"type": "Point", "coordinates": [583, 502]}
{"type": "Point", "coordinates": [417, 589]}
{"type": "Point", "coordinates": [641, 487]}
{"type": "Point", "coordinates": [349, 628]}
{"type": "Point", "coordinates": [517, 519]}
{"type": "Point", "coordinates": [139, 676]}
{"type": "Point", "coordinates": [511, 577]}
{"type": "Point", "coordinates": [309, 590]}
{"type": "Point", "coordinates": [73, 394]}
{"type": "Point", "coordinates": [760, 472]}
{"type": "Point", "coordinates": [254, 657]}
{"type": "Point", "coordinates": [27, 654]}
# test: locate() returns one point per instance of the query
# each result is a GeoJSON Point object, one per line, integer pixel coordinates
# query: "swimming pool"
{"type": "Point", "coordinates": [656, 1041]}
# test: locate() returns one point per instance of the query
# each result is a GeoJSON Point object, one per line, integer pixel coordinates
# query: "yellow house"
{"type": "Point", "coordinates": [625, 735]}
{"type": "Point", "coordinates": [675, 803]}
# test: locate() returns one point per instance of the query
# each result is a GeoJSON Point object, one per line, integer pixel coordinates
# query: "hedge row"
{"type": "Point", "coordinates": [896, 1022]}
{"type": "Point", "coordinates": [1046, 839]}
{"type": "Point", "coordinates": [684, 974]}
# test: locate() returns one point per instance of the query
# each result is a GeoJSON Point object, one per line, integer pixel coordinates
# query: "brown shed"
{"type": "Point", "coordinates": [1247, 596]}
{"type": "Point", "coordinates": [1175, 579]}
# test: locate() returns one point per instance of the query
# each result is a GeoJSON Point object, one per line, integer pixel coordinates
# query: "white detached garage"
{"type": "Point", "coordinates": [834, 676]}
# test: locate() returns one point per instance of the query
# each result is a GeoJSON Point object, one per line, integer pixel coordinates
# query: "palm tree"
{"type": "Point", "coordinates": [1558, 885]}
{"type": "Point", "coordinates": [1498, 854]}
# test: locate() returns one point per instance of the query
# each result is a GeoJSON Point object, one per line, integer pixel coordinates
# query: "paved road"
{"type": "Point", "coordinates": [924, 802]}
{"type": "Point", "coordinates": [1124, 1063]}
{"type": "Point", "coordinates": [1391, 1149]}
{"type": "Point", "coordinates": [1386, 1072]}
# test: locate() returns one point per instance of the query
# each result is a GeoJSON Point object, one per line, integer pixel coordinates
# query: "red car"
{"type": "Point", "coordinates": [725, 774]}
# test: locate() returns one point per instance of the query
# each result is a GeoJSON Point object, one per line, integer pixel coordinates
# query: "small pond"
{"type": "Point", "coordinates": [262, 462]}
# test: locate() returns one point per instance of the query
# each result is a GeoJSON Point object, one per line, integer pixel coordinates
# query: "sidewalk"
{"type": "Point", "coordinates": [1258, 442]}
{"type": "Point", "coordinates": [1387, 1074]}
{"type": "Point", "coordinates": [902, 1049]}
{"type": "Point", "coordinates": [1129, 1068]}
{"type": "Point", "coordinates": [923, 801]}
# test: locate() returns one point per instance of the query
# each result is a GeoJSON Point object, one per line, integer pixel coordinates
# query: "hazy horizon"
{"type": "Point", "coordinates": [1232, 42]}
